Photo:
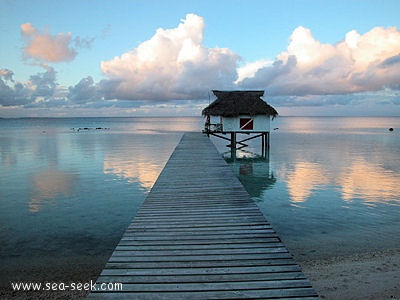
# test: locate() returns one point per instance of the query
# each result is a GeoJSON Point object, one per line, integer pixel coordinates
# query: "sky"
{"type": "Point", "coordinates": [164, 57]}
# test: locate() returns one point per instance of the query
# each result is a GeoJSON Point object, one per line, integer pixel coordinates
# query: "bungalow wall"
{"type": "Point", "coordinates": [246, 123]}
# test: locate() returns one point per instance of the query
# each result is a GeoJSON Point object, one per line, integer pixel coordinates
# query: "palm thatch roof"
{"type": "Point", "coordinates": [235, 103]}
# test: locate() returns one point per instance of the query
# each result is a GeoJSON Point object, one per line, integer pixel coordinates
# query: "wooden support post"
{"type": "Point", "coordinates": [263, 144]}
{"type": "Point", "coordinates": [233, 140]}
{"type": "Point", "coordinates": [233, 145]}
{"type": "Point", "coordinates": [266, 137]}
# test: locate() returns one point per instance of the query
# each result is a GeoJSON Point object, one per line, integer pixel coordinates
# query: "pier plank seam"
{"type": "Point", "coordinates": [198, 235]}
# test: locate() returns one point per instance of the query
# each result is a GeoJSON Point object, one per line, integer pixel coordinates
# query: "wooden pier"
{"type": "Point", "coordinates": [198, 235]}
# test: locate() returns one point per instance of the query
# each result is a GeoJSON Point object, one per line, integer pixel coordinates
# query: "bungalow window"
{"type": "Point", "coordinates": [246, 123]}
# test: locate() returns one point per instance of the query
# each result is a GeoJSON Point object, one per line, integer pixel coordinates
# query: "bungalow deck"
{"type": "Point", "coordinates": [198, 235]}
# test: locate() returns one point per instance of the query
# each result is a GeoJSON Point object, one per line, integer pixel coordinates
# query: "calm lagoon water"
{"type": "Point", "coordinates": [330, 186]}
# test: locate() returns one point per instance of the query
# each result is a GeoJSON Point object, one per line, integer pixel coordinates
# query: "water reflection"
{"type": "Point", "coordinates": [67, 193]}
{"type": "Point", "coordinates": [142, 164]}
{"type": "Point", "coordinates": [347, 168]}
{"type": "Point", "coordinates": [304, 179]}
{"type": "Point", "coordinates": [8, 156]}
{"type": "Point", "coordinates": [253, 171]}
{"type": "Point", "coordinates": [363, 181]}
{"type": "Point", "coordinates": [372, 183]}
{"type": "Point", "coordinates": [144, 173]}
{"type": "Point", "coordinates": [49, 185]}
{"type": "Point", "coordinates": [333, 187]}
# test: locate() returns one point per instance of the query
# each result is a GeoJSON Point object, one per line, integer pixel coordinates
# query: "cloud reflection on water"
{"type": "Point", "coordinates": [368, 182]}
{"type": "Point", "coordinates": [143, 173]}
{"type": "Point", "coordinates": [304, 179]}
{"type": "Point", "coordinates": [49, 185]}
{"type": "Point", "coordinates": [372, 183]}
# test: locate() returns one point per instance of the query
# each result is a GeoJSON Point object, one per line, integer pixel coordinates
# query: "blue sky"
{"type": "Point", "coordinates": [128, 58]}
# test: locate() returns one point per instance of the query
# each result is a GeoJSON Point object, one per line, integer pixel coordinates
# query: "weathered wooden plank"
{"type": "Point", "coordinates": [196, 242]}
{"type": "Point", "coordinates": [198, 235]}
{"type": "Point", "coordinates": [193, 214]}
{"type": "Point", "coordinates": [200, 278]}
{"type": "Point", "coordinates": [135, 252]}
{"type": "Point", "coordinates": [188, 235]}
{"type": "Point", "coordinates": [202, 219]}
{"type": "Point", "coordinates": [140, 226]}
{"type": "Point", "coordinates": [150, 237]}
{"type": "Point", "coordinates": [201, 264]}
{"type": "Point", "coordinates": [209, 228]}
{"type": "Point", "coordinates": [217, 286]}
{"type": "Point", "coordinates": [302, 293]}
{"type": "Point", "coordinates": [192, 232]}
{"type": "Point", "coordinates": [199, 222]}
{"type": "Point", "coordinates": [140, 247]}
{"type": "Point", "coordinates": [199, 211]}
{"type": "Point", "coordinates": [205, 221]}
{"type": "Point", "coordinates": [202, 271]}
{"type": "Point", "coordinates": [199, 257]}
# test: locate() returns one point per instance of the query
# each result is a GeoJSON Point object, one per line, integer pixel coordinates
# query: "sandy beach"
{"type": "Point", "coordinates": [374, 275]}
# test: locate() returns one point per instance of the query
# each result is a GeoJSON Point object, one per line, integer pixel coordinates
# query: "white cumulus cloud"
{"type": "Point", "coordinates": [359, 63]}
{"type": "Point", "coordinates": [250, 69]}
{"type": "Point", "coordinates": [173, 64]}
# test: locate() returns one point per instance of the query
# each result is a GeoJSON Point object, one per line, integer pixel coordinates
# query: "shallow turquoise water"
{"type": "Point", "coordinates": [331, 185]}
{"type": "Point", "coordinates": [66, 191]}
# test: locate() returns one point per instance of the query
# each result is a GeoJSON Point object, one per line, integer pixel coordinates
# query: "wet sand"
{"type": "Point", "coordinates": [373, 275]}
{"type": "Point", "coordinates": [42, 270]}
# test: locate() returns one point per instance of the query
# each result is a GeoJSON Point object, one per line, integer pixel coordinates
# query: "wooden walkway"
{"type": "Point", "coordinates": [198, 235]}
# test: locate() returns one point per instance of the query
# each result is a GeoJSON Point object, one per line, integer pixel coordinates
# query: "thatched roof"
{"type": "Point", "coordinates": [235, 103]}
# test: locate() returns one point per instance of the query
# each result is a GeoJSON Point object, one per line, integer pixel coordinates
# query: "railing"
{"type": "Point", "coordinates": [217, 127]}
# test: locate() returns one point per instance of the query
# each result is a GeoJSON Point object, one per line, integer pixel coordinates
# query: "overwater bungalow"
{"type": "Point", "coordinates": [239, 112]}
